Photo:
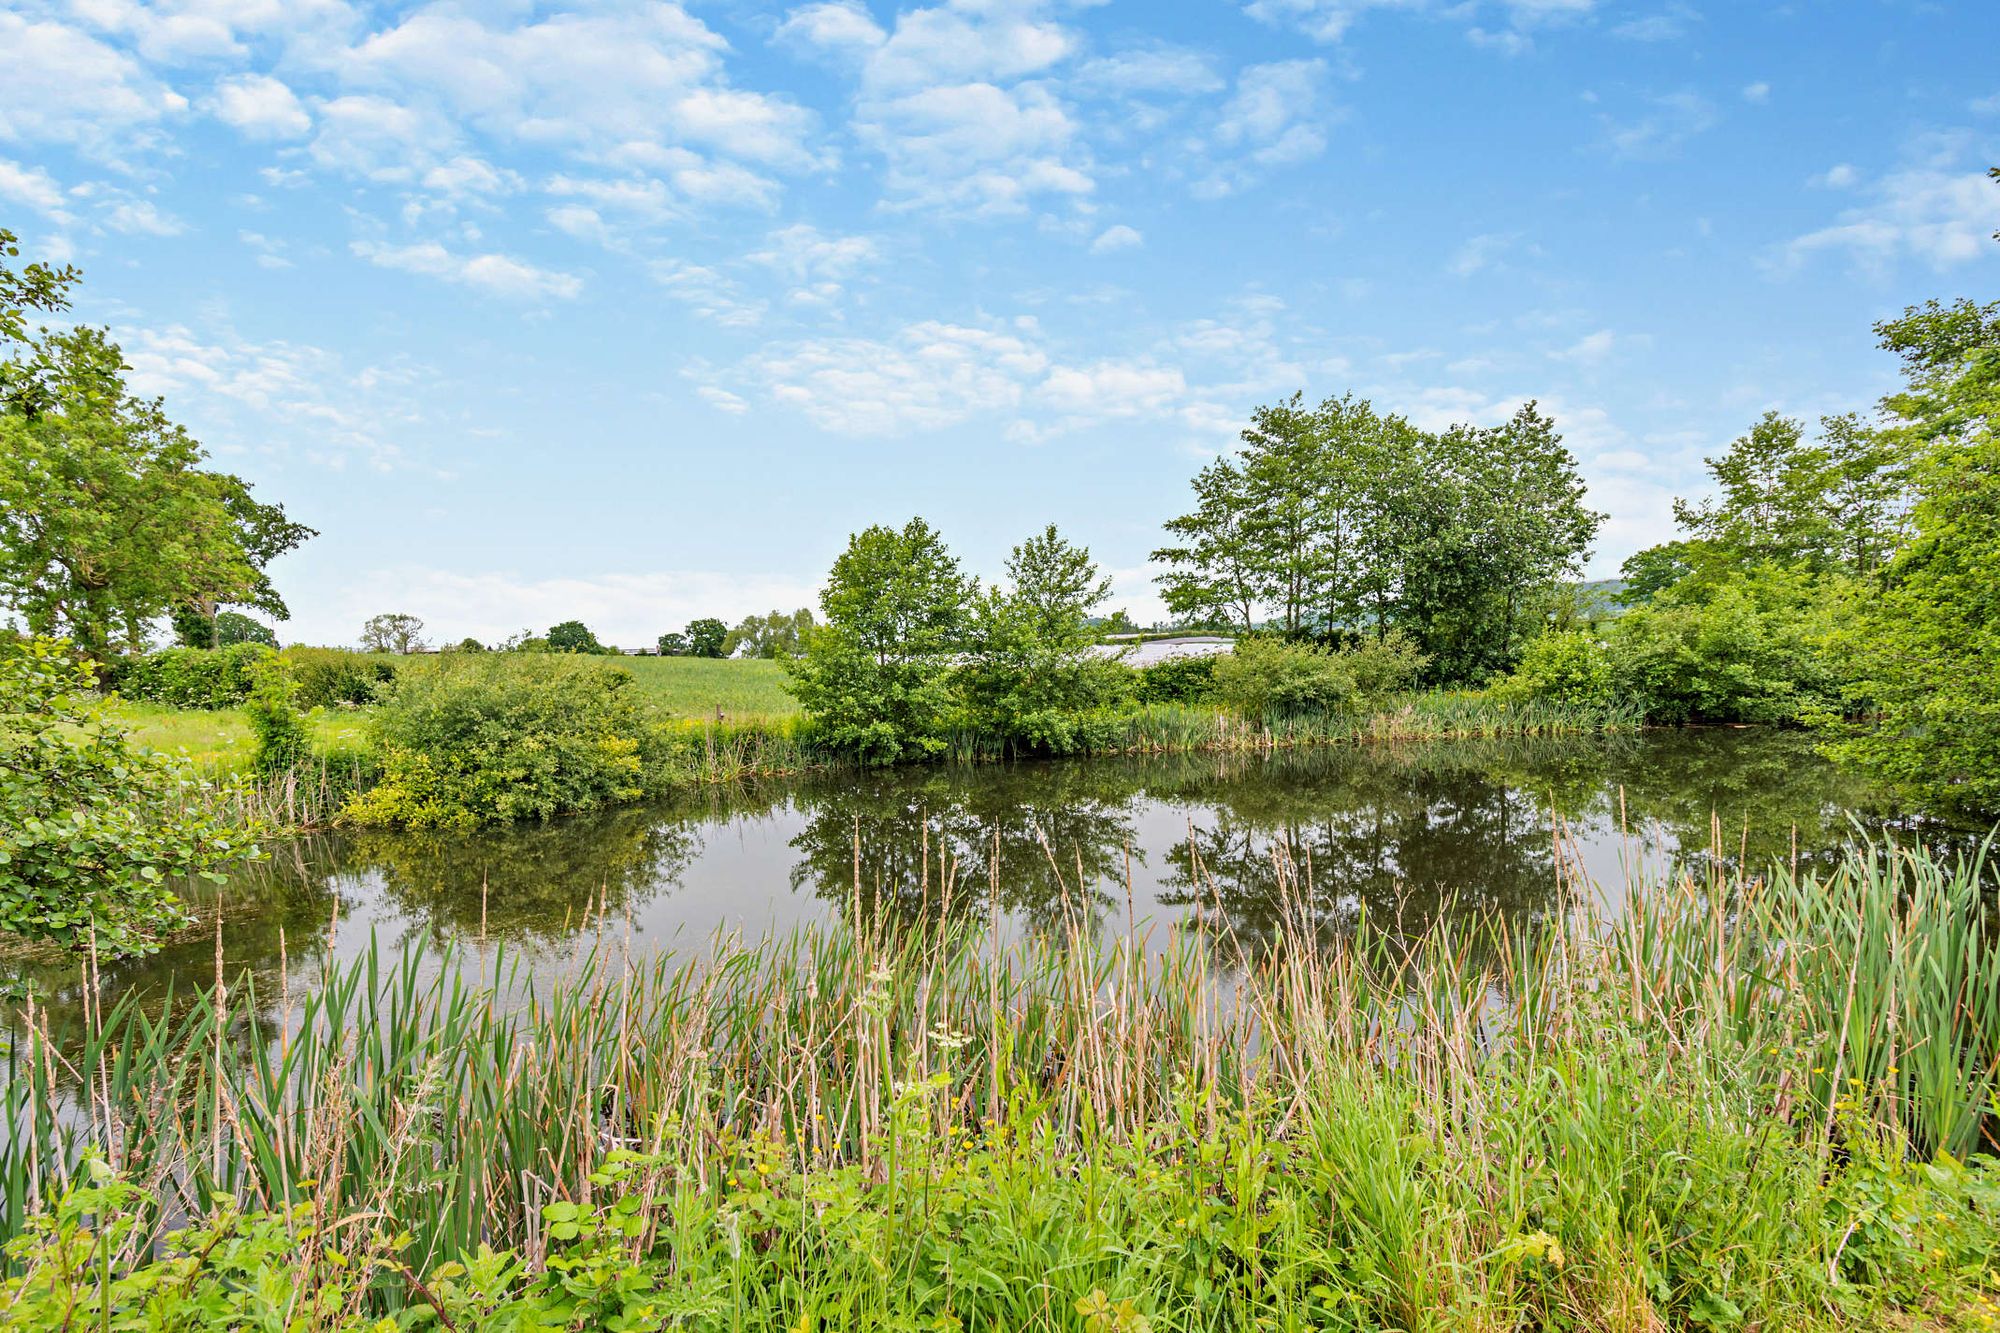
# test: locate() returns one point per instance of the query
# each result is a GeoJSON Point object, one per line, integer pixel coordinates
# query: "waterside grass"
{"type": "Point", "coordinates": [1730, 1104]}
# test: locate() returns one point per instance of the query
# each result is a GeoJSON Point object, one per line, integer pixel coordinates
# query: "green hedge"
{"type": "Point", "coordinates": [188, 677]}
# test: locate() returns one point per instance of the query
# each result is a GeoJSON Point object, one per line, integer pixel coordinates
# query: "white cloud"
{"type": "Point", "coordinates": [1270, 113]}
{"type": "Point", "coordinates": [260, 106]}
{"type": "Point", "coordinates": [976, 148]}
{"type": "Point", "coordinates": [929, 376]}
{"type": "Point", "coordinates": [708, 293]}
{"type": "Point", "coordinates": [1590, 349]}
{"type": "Point", "coordinates": [1840, 176]}
{"type": "Point", "coordinates": [843, 30]}
{"type": "Point", "coordinates": [497, 274]}
{"type": "Point", "coordinates": [1112, 389]}
{"type": "Point", "coordinates": [229, 388]}
{"type": "Point", "coordinates": [179, 32]}
{"type": "Point", "coordinates": [593, 81]}
{"type": "Point", "coordinates": [1119, 237]}
{"type": "Point", "coordinates": [33, 187]}
{"type": "Point", "coordinates": [966, 42]}
{"type": "Point", "coordinates": [722, 400]}
{"type": "Point", "coordinates": [381, 139]}
{"type": "Point", "coordinates": [1153, 69]}
{"type": "Point", "coordinates": [467, 176]}
{"type": "Point", "coordinates": [933, 375]}
{"type": "Point", "coordinates": [1669, 25]}
{"type": "Point", "coordinates": [1757, 92]}
{"type": "Point", "coordinates": [806, 255]}
{"type": "Point", "coordinates": [1481, 252]}
{"type": "Point", "coordinates": [1330, 20]}
{"type": "Point", "coordinates": [1669, 121]}
{"type": "Point", "coordinates": [1325, 20]}
{"type": "Point", "coordinates": [65, 86]}
{"type": "Point", "coordinates": [1929, 214]}
{"type": "Point", "coordinates": [1276, 116]}
{"type": "Point", "coordinates": [141, 217]}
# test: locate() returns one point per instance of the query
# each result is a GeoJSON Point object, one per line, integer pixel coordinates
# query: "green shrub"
{"type": "Point", "coordinates": [93, 829]}
{"type": "Point", "coordinates": [1568, 667]}
{"type": "Point", "coordinates": [330, 677]}
{"type": "Point", "coordinates": [1750, 649]}
{"type": "Point", "coordinates": [191, 677]}
{"type": "Point", "coordinates": [282, 739]}
{"type": "Point", "coordinates": [1178, 680]}
{"type": "Point", "coordinates": [1267, 678]}
{"type": "Point", "coordinates": [1389, 665]}
{"type": "Point", "coordinates": [493, 737]}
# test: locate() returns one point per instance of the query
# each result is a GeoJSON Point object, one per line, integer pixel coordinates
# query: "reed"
{"type": "Point", "coordinates": [1709, 1101]}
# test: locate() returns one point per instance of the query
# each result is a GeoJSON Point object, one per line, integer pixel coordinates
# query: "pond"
{"type": "Point", "coordinates": [1405, 833]}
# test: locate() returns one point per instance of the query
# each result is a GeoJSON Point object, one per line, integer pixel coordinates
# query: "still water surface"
{"type": "Point", "coordinates": [1408, 832]}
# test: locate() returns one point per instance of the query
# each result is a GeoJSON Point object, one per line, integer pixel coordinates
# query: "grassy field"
{"type": "Point", "coordinates": [219, 739]}
{"type": "Point", "coordinates": [688, 687]}
{"type": "Point", "coordinates": [744, 689]}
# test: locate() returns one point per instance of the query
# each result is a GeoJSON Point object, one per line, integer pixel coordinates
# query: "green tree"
{"type": "Point", "coordinates": [1213, 576]}
{"type": "Point", "coordinates": [706, 637]}
{"type": "Point", "coordinates": [775, 635]}
{"type": "Point", "coordinates": [1833, 503]}
{"type": "Point", "coordinates": [1487, 530]}
{"type": "Point", "coordinates": [1030, 680]}
{"type": "Point", "coordinates": [93, 828]}
{"type": "Point", "coordinates": [108, 520]}
{"type": "Point", "coordinates": [392, 632]}
{"type": "Point", "coordinates": [673, 644]}
{"type": "Point", "coordinates": [233, 627]}
{"type": "Point", "coordinates": [1338, 521]}
{"type": "Point", "coordinates": [1927, 649]}
{"type": "Point", "coordinates": [875, 677]}
{"type": "Point", "coordinates": [573, 636]}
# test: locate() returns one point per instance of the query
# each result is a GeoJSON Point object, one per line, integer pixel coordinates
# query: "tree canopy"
{"type": "Point", "coordinates": [1338, 521]}
{"type": "Point", "coordinates": [108, 520]}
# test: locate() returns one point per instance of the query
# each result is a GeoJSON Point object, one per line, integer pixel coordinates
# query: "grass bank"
{"type": "Point", "coordinates": [1745, 1104]}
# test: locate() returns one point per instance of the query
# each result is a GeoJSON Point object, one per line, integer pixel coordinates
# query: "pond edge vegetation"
{"type": "Point", "coordinates": [1696, 1113]}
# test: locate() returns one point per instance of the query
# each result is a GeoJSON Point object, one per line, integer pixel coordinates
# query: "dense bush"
{"type": "Point", "coordinates": [469, 740]}
{"type": "Point", "coordinates": [1178, 680]}
{"type": "Point", "coordinates": [1567, 666]}
{"type": "Point", "coordinates": [1753, 648]}
{"type": "Point", "coordinates": [327, 677]}
{"type": "Point", "coordinates": [93, 829]}
{"type": "Point", "coordinates": [190, 677]}
{"type": "Point", "coordinates": [1384, 666]}
{"type": "Point", "coordinates": [1267, 677]}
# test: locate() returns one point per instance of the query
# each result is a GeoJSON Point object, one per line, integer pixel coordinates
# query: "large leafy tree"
{"type": "Point", "coordinates": [1832, 503]}
{"type": "Point", "coordinates": [706, 637]}
{"type": "Point", "coordinates": [875, 677]}
{"type": "Point", "coordinates": [1214, 570]}
{"type": "Point", "coordinates": [573, 636]}
{"type": "Point", "coordinates": [108, 520]}
{"type": "Point", "coordinates": [1928, 648]}
{"type": "Point", "coordinates": [1338, 520]}
{"type": "Point", "coordinates": [1490, 527]}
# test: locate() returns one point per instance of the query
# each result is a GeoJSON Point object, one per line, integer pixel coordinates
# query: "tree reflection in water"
{"type": "Point", "coordinates": [1406, 833]}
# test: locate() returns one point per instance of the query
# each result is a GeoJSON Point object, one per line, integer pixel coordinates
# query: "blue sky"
{"type": "Point", "coordinates": [635, 311]}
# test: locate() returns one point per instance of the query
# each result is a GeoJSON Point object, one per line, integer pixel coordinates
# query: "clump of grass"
{"type": "Point", "coordinates": [1724, 1106]}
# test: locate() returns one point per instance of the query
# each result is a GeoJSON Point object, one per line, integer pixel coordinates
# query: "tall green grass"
{"type": "Point", "coordinates": [1714, 1100]}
